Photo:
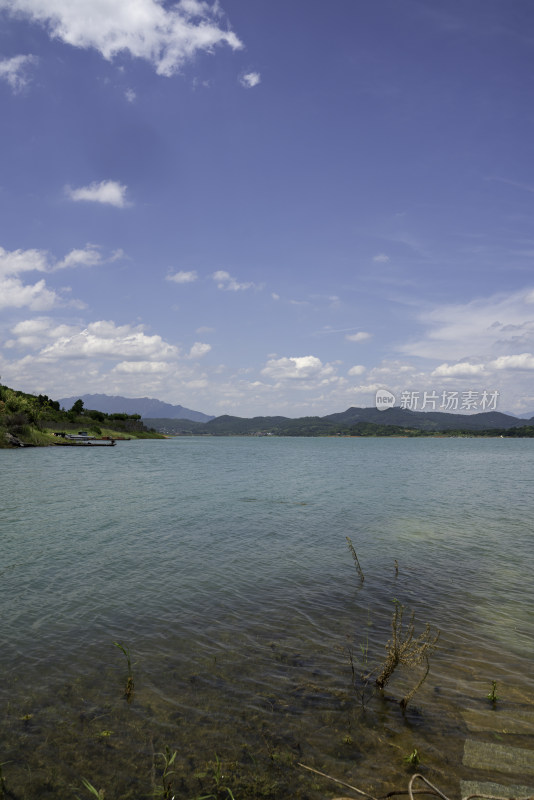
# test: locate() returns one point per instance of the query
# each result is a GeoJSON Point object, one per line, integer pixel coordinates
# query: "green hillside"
{"type": "Point", "coordinates": [32, 420]}
{"type": "Point", "coordinates": [349, 423]}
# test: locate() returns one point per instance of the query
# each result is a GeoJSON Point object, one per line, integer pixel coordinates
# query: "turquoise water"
{"type": "Point", "coordinates": [222, 564]}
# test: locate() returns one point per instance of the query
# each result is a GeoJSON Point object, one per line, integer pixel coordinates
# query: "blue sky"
{"type": "Point", "coordinates": [267, 207]}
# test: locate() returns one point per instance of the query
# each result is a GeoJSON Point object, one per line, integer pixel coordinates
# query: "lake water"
{"type": "Point", "coordinates": [222, 564]}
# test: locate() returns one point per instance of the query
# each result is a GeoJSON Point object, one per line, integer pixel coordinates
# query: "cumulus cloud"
{"type": "Point", "coordinates": [183, 277]}
{"type": "Point", "coordinates": [36, 296]}
{"type": "Point", "coordinates": [16, 70]}
{"type": "Point", "coordinates": [358, 369]}
{"type": "Point", "coordinates": [104, 339]}
{"type": "Point", "coordinates": [227, 283]}
{"type": "Point", "coordinates": [130, 95]}
{"type": "Point", "coordinates": [520, 361]}
{"type": "Point", "coordinates": [16, 261]}
{"type": "Point", "coordinates": [361, 336]}
{"type": "Point", "coordinates": [199, 349]}
{"type": "Point", "coordinates": [32, 333]}
{"type": "Point", "coordinates": [165, 35]}
{"type": "Point", "coordinates": [460, 370]}
{"type": "Point", "coordinates": [297, 368]}
{"type": "Point", "coordinates": [110, 193]}
{"type": "Point", "coordinates": [89, 256]}
{"type": "Point", "coordinates": [250, 79]}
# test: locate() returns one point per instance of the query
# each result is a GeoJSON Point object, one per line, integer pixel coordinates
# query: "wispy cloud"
{"type": "Point", "coordinates": [130, 95]}
{"type": "Point", "coordinates": [110, 193]}
{"type": "Point", "coordinates": [475, 331]}
{"type": "Point", "coordinates": [361, 336]}
{"type": "Point", "coordinates": [227, 283]}
{"type": "Point", "coordinates": [166, 37]}
{"type": "Point", "coordinates": [516, 184]}
{"type": "Point", "coordinates": [381, 258]}
{"type": "Point", "coordinates": [16, 70]}
{"type": "Point", "coordinates": [183, 277]}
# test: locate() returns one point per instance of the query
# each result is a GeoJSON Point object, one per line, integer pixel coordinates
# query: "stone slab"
{"type": "Point", "coordinates": [498, 757]}
{"type": "Point", "coordinates": [468, 788]}
{"type": "Point", "coordinates": [520, 720]}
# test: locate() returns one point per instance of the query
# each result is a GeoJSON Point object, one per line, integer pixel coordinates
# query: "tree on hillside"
{"type": "Point", "coordinates": [77, 407]}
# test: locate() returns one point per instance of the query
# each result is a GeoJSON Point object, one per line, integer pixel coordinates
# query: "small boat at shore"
{"type": "Point", "coordinates": [88, 441]}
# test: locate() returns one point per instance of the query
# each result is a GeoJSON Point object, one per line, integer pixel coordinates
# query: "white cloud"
{"type": "Point", "coordinates": [16, 261]}
{"type": "Point", "coordinates": [358, 369]}
{"type": "Point", "coordinates": [225, 282]}
{"type": "Point", "coordinates": [15, 70]}
{"type": "Point", "coordinates": [104, 339]}
{"type": "Point", "coordinates": [199, 349]}
{"type": "Point", "coordinates": [381, 258]}
{"type": "Point", "coordinates": [140, 367]}
{"type": "Point", "coordinates": [164, 35]}
{"type": "Point", "coordinates": [250, 79]}
{"type": "Point", "coordinates": [520, 361]}
{"type": "Point", "coordinates": [480, 329]}
{"type": "Point", "coordinates": [297, 368]}
{"type": "Point", "coordinates": [183, 277]}
{"type": "Point", "coordinates": [361, 336]}
{"type": "Point", "coordinates": [89, 256]}
{"type": "Point", "coordinates": [460, 370]}
{"type": "Point", "coordinates": [33, 333]}
{"type": "Point", "coordinates": [108, 192]}
{"type": "Point", "coordinates": [36, 296]}
{"type": "Point", "coordinates": [130, 95]}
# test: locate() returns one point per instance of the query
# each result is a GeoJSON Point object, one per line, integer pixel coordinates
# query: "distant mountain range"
{"type": "Point", "coordinates": [427, 420]}
{"type": "Point", "coordinates": [353, 421]}
{"type": "Point", "coordinates": [145, 406]}
{"type": "Point", "coordinates": [169, 418]}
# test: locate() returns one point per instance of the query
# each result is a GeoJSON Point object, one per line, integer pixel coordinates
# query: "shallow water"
{"type": "Point", "coordinates": [222, 564]}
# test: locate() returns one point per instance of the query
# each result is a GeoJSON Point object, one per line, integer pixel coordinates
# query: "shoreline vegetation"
{"type": "Point", "coordinates": [28, 420]}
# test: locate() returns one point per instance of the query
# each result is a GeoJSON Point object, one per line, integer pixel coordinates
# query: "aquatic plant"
{"type": "Point", "coordinates": [361, 675]}
{"type": "Point", "coordinates": [413, 758]}
{"type": "Point", "coordinates": [99, 793]}
{"type": "Point", "coordinates": [220, 789]}
{"type": "Point", "coordinates": [405, 650]}
{"type": "Point", "coordinates": [3, 780]}
{"type": "Point", "coordinates": [355, 558]}
{"type": "Point", "coordinates": [165, 790]}
{"type": "Point", "coordinates": [129, 688]}
{"type": "Point", "coordinates": [493, 696]}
